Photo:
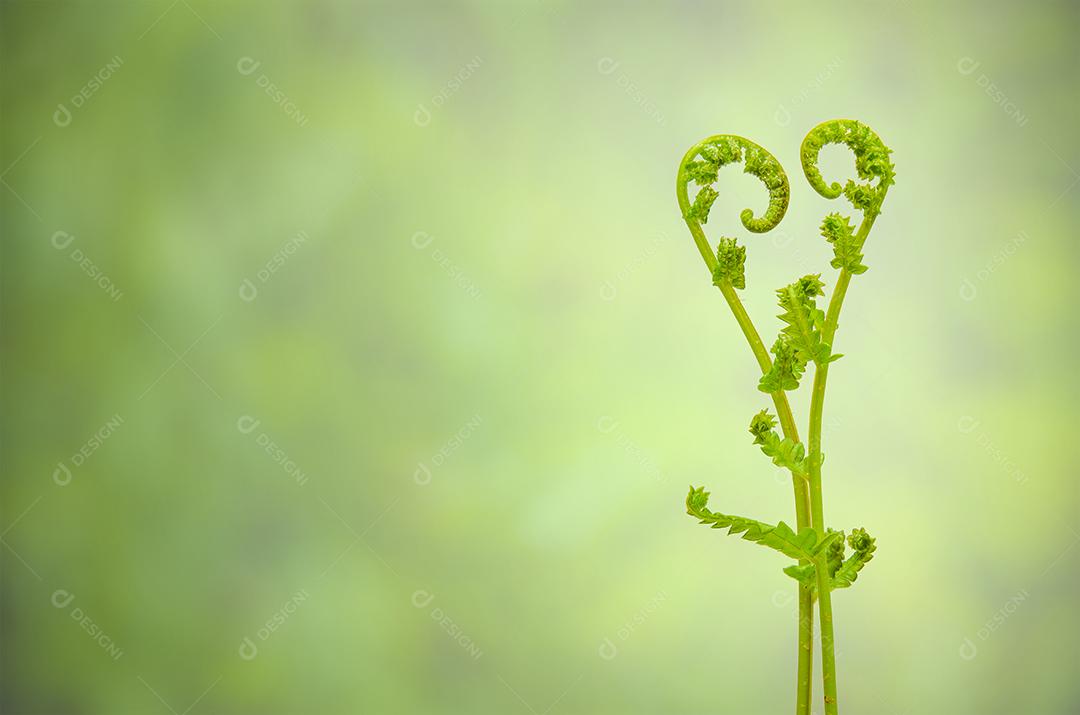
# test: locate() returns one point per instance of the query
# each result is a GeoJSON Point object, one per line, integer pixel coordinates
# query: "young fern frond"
{"type": "Point", "coordinates": [871, 162]}
{"type": "Point", "coordinates": [842, 572]}
{"type": "Point", "coordinates": [806, 337]}
{"type": "Point", "coordinates": [702, 164]}
{"type": "Point", "coordinates": [730, 263]}
{"type": "Point", "coordinates": [838, 231]}
{"type": "Point", "coordinates": [699, 210]}
{"type": "Point", "coordinates": [800, 340]}
{"type": "Point", "coordinates": [876, 174]}
{"type": "Point", "coordinates": [803, 545]}
{"type": "Point", "coordinates": [787, 368]}
{"type": "Point", "coordinates": [863, 546]}
{"type": "Point", "coordinates": [783, 452]}
{"type": "Point", "coordinates": [835, 558]}
{"type": "Point", "coordinates": [803, 320]}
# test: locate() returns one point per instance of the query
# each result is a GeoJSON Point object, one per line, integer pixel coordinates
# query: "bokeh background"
{"type": "Point", "coordinates": [356, 359]}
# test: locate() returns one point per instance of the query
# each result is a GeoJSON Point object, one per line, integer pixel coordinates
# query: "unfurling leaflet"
{"type": "Point", "coordinates": [871, 163]}
{"type": "Point", "coordinates": [842, 572]}
{"type": "Point", "coordinates": [862, 544]}
{"type": "Point", "coordinates": [730, 263]}
{"type": "Point", "coordinates": [702, 164]}
{"type": "Point", "coordinates": [803, 545]}
{"type": "Point", "coordinates": [874, 168]}
{"type": "Point", "coordinates": [800, 339]}
{"type": "Point", "coordinates": [838, 231]}
{"type": "Point", "coordinates": [783, 452]}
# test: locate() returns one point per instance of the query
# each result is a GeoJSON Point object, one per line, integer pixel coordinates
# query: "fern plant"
{"type": "Point", "coordinates": [805, 342]}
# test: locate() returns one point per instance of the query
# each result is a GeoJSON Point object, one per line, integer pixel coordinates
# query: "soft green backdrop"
{"type": "Point", "coordinates": [437, 463]}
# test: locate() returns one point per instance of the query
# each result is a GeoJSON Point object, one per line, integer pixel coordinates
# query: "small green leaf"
{"type": "Point", "coordinates": [838, 231]}
{"type": "Point", "coordinates": [762, 424]}
{"type": "Point", "coordinates": [786, 371]}
{"type": "Point", "coordinates": [864, 547]}
{"type": "Point", "coordinates": [801, 545]}
{"type": "Point", "coordinates": [730, 263]}
{"type": "Point", "coordinates": [835, 556]}
{"type": "Point", "coordinates": [843, 572]}
{"type": "Point", "coordinates": [783, 452]}
{"type": "Point", "coordinates": [702, 172]}
{"type": "Point", "coordinates": [806, 574]}
{"type": "Point", "coordinates": [803, 320]}
{"type": "Point", "coordinates": [703, 202]}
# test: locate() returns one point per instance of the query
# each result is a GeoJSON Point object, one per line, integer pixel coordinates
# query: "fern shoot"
{"type": "Point", "coordinates": [804, 342]}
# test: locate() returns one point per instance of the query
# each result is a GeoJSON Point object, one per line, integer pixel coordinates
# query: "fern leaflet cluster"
{"type": "Point", "coordinates": [800, 339]}
{"type": "Point", "coordinates": [805, 338]}
{"type": "Point", "coordinates": [847, 255]}
{"type": "Point", "coordinates": [802, 545]}
{"type": "Point", "coordinates": [702, 165]}
{"type": "Point", "coordinates": [730, 263]}
{"type": "Point", "coordinates": [784, 452]}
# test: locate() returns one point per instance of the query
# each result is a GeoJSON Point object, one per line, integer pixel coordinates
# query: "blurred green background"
{"type": "Point", "coordinates": [356, 359]}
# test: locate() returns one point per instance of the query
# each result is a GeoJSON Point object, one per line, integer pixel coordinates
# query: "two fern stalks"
{"type": "Point", "coordinates": [805, 339]}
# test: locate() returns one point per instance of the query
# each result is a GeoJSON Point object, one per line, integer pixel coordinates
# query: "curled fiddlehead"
{"type": "Point", "coordinates": [842, 571]}
{"type": "Point", "coordinates": [876, 174]}
{"type": "Point", "coordinates": [700, 166]}
{"type": "Point", "coordinates": [871, 163]}
{"type": "Point", "coordinates": [784, 452]}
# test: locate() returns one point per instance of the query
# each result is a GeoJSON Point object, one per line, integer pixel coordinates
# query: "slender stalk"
{"type": "Point", "coordinates": [817, 511]}
{"type": "Point", "coordinates": [804, 685]}
{"type": "Point", "coordinates": [805, 661]}
{"type": "Point", "coordinates": [805, 691]}
{"type": "Point", "coordinates": [799, 342]}
{"type": "Point", "coordinates": [828, 654]}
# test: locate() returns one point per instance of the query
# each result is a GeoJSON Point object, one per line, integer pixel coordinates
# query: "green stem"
{"type": "Point", "coordinates": [805, 660]}
{"type": "Point", "coordinates": [817, 511]}
{"type": "Point", "coordinates": [804, 685]}
{"type": "Point", "coordinates": [805, 692]}
{"type": "Point", "coordinates": [780, 400]}
{"type": "Point", "coordinates": [828, 655]}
